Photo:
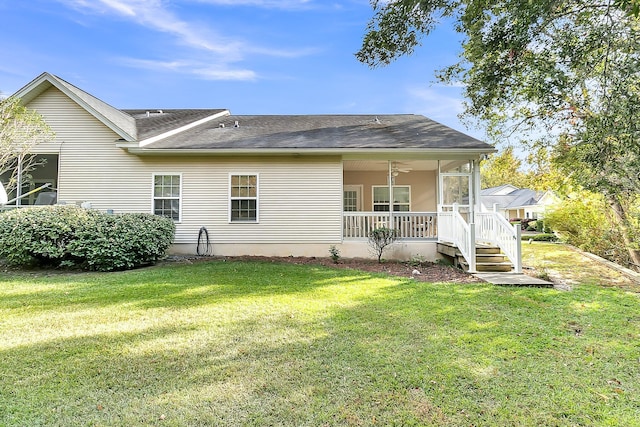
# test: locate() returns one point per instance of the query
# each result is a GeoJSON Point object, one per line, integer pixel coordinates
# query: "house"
{"type": "Point", "coordinates": [261, 184]}
{"type": "Point", "coordinates": [513, 202]}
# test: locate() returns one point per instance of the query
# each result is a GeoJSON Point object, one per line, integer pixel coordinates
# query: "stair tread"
{"type": "Point", "coordinates": [488, 263]}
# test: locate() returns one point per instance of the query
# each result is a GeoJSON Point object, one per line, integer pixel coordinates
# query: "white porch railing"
{"type": "Point", "coordinates": [495, 229]}
{"type": "Point", "coordinates": [454, 229]}
{"type": "Point", "coordinates": [409, 225]}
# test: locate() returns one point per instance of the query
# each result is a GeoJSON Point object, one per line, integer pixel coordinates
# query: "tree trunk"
{"type": "Point", "coordinates": [621, 217]}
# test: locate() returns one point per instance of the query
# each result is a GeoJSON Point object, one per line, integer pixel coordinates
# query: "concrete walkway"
{"type": "Point", "coordinates": [512, 279]}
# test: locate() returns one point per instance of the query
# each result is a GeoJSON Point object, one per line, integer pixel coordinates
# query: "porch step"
{"type": "Point", "coordinates": [505, 266]}
{"type": "Point", "coordinates": [488, 258]}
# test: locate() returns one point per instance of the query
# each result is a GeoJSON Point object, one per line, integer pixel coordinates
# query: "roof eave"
{"type": "Point", "coordinates": [346, 153]}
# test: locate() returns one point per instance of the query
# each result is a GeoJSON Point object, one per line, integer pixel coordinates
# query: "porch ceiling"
{"type": "Point", "coordinates": [383, 165]}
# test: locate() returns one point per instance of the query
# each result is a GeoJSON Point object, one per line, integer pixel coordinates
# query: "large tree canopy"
{"type": "Point", "coordinates": [563, 73]}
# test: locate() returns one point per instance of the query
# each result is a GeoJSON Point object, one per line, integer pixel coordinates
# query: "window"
{"type": "Point", "coordinates": [401, 198]}
{"type": "Point", "coordinates": [352, 197]}
{"type": "Point", "coordinates": [243, 198]}
{"type": "Point", "coordinates": [167, 190]}
{"type": "Point", "coordinates": [33, 171]}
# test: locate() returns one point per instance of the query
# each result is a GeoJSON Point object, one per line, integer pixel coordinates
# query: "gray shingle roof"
{"type": "Point", "coordinates": [155, 122]}
{"type": "Point", "coordinates": [321, 131]}
{"type": "Point", "coordinates": [517, 198]}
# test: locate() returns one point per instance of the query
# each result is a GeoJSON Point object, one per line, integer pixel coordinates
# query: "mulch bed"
{"type": "Point", "coordinates": [428, 271]}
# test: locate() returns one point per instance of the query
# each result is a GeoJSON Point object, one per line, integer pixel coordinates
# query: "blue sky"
{"type": "Point", "coordinates": [250, 56]}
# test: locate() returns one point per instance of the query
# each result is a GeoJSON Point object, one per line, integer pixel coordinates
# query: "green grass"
{"type": "Point", "coordinates": [564, 264]}
{"type": "Point", "coordinates": [237, 343]}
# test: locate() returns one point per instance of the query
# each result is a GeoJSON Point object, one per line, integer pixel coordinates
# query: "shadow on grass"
{"type": "Point", "coordinates": [385, 352]}
{"type": "Point", "coordinates": [171, 286]}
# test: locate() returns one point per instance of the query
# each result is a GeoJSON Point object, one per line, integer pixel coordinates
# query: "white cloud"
{"type": "Point", "coordinates": [205, 71]}
{"type": "Point", "coordinates": [214, 52]}
{"type": "Point", "coordinates": [153, 14]}
{"type": "Point", "coordinates": [276, 4]}
{"type": "Point", "coordinates": [437, 104]}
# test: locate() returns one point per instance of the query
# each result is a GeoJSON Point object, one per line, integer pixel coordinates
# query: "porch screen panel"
{"type": "Point", "coordinates": [455, 190]}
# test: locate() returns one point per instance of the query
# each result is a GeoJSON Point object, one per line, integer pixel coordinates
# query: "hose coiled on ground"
{"type": "Point", "coordinates": [204, 244]}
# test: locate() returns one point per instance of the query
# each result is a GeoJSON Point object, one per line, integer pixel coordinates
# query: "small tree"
{"type": "Point", "coordinates": [21, 129]}
{"type": "Point", "coordinates": [380, 239]}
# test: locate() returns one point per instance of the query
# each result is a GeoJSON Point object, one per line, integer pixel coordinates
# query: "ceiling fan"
{"type": "Point", "coordinates": [395, 169]}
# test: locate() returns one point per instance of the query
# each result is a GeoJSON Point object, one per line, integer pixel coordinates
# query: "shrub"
{"type": "Point", "coordinates": [545, 237]}
{"type": "Point", "coordinates": [67, 236]}
{"type": "Point", "coordinates": [584, 220]}
{"type": "Point", "coordinates": [334, 253]}
{"type": "Point", "coordinates": [542, 226]}
{"type": "Point", "coordinates": [380, 239]}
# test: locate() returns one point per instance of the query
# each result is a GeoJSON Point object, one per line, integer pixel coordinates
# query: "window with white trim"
{"type": "Point", "coordinates": [167, 195]}
{"type": "Point", "coordinates": [401, 198]}
{"type": "Point", "coordinates": [352, 198]}
{"type": "Point", "coordinates": [243, 198]}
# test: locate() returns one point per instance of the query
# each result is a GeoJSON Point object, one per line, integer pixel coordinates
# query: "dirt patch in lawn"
{"type": "Point", "coordinates": [423, 271]}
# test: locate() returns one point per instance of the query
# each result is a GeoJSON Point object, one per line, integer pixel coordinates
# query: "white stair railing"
{"type": "Point", "coordinates": [493, 228]}
{"type": "Point", "coordinates": [453, 228]}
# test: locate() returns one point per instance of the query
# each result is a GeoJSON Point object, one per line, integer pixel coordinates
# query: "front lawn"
{"type": "Point", "coordinates": [248, 343]}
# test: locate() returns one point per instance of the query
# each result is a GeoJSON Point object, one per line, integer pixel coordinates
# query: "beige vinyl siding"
{"type": "Point", "coordinates": [91, 167]}
{"type": "Point", "coordinates": [300, 199]}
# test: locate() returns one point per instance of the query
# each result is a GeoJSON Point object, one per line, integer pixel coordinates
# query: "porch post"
{"type": "Point", "coordinates": [472, 249]}
{"type": "Point", "coordinates": [517, 264]}
{"type": "Point", "coordinates": [476, 187]}
{"type": "Point", "coordinates": [390, 180]}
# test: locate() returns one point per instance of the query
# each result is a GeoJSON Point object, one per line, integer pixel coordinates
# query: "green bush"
{"type": "Point", "coordinates": [584, 220]}
{"type": "Point", "coordinates": [542, 226]}
{"type": "Point", "coordinates": [67, 236]}
{"type": "Point", "coordinates": [545, 237]}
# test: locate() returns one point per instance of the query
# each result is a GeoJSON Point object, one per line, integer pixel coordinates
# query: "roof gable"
{"type": "Point", "coordinates": [118, 121]}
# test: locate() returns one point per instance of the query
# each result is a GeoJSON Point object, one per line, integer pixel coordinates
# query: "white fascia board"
{"type": "Point", "coordinates": [183, 128]}
{"type": "Point", "coordinates": [347, 154]}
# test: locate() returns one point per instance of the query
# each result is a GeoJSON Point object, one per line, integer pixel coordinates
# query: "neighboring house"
{"type": "Point", "coordinates": [262, 185]}
{"type": "Point", "coordinates": [516, 203]}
